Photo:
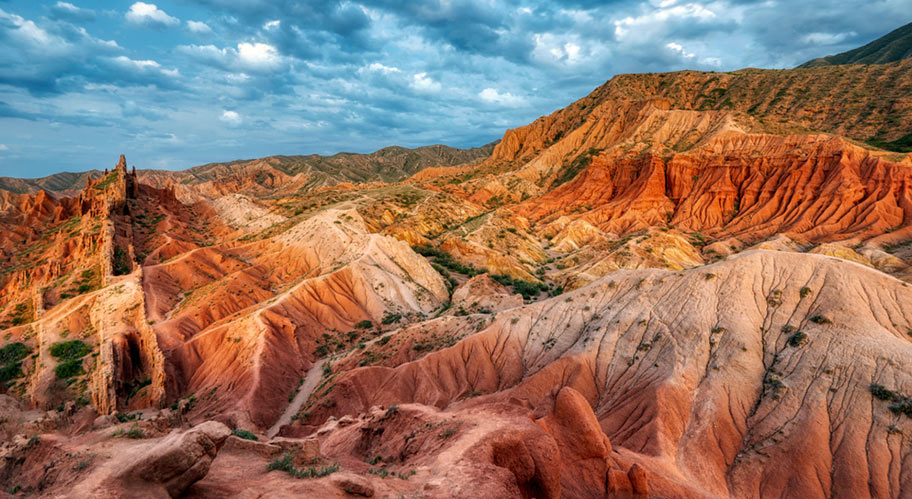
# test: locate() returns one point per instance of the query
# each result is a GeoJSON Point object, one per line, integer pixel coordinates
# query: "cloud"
{"type": "Point", "coordinates": [148, 14]}
{"type": "Point", "coordinates": [247, 57]}
{"type": "Point", "coordinates": [199, 27]}
{"type": "Point", "coordinates": [260, 56]}
{"type": "Point", "coordinates": [423, 83]}
{"type": "Point", "coordinates": [492, 96]}
{"type": "Point", "coordinates": [677, 48]}
{"type": "Point", "coordinates": [232, 118]}
{"type": "Point", "coordinates": [376, 66]}
{"type": "Point", "coordinates": [826, 38]}
{"type": "Point", "coordinates": [70, 12]}
{"type": "Point", "coordinates": [642, 26]}
{"type": "Point", "coordinates": [48, 59]}
{"type": "Point", "coordinates": [3, 147]}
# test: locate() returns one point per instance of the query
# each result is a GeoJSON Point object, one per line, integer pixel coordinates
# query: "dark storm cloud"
{"type": "Point", "coordinates": [221, 79]}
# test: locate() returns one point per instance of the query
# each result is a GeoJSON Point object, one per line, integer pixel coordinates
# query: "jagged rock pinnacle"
{"type": "Point", "coordinates": [122, 164]}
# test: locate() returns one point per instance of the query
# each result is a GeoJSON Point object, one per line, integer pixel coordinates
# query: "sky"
{"type": "Point", "coordinates": [173, 84]}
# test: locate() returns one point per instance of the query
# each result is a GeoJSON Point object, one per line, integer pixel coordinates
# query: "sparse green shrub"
{"type": "Point", "coordinates": [11, 360]}
{"type": "Point", "coordinates": [246, 435]}
{"type": "Point", "coordinates": [797, 339]}
{"type": "Point", "coordinates": [882, 393]}
{"type": "Point", "coordinates": [820, 319]}
{"type": "Point", "coordinates": [134, 432]}
{"type": "Point", "coordinates": [444, 259]}
{"type": "Point", "coordinates": [69, 368]}
{"type": "Point", "coordinates": [286, 464]}
{"type": "Point", "coordinates": [391, 318]}
{"type": "Point", "coordinates": [121, 262]}
{"type": "Point", "coordinates": [365, 324]}
{"type": "Point", "coordinates": [391, 411]}
{"type": "Point", "coordinates": [123, 417]}
{"type": "Point", "coordinates": [14, 352]}
{"type": "Point", "coordinates": [69, 350]}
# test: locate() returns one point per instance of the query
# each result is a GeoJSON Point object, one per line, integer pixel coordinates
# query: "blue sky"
{"type": "Point", "coordinates": [173, 84]}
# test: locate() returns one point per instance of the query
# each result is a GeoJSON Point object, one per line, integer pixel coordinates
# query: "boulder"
{"type": "Point", "coordinates": [238, 444]}
{"type": "Point", "coordinates": [305, 451]}
{"type": "Point", "coordinates": [172, 465]}
{"type": "Point", "coordinates": [353, 484]}
{"type": "Point", "coordinates": [105, 421]}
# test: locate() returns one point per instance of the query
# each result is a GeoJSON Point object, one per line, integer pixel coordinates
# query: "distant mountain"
{"type": "Point", "coordinates": [389, 164]}
{"type": "Point", "coordinates": [895, 46]}
{"type": "Point", "coordinates": [68, 182]}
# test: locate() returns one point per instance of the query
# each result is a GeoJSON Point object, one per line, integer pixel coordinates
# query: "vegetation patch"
{"type": "Point", "coordinates": [528, 290]}
{"type": "Point", "coordinates": [444, 259]}
{"type": "Point", "coordinates": [11, 356]}
{"type": "Point", "coordinates": [578, 164]}
{"type": "Point", "coordinates": [820, 319]}
{"type": "Point", "coordinates": [69, 350]}
{"type": "Point", "coordinates": [286, 464]}
{"type": "Point", "coordinates": [901, 404]}
{"type": "Point", "coordinates": [797, 339]}
{"type": "Point", "coordinates": [246, 435]}
{"type": "Point", "coordinates": [69, 354]}
{"type": "Point", "coordinates": [121, 262]}
{"type": "Point", "coordinates": [133, 432]}
{"type": "Point", "coordinates": [106, 181]}
{"type": "Point", "coordinates": [903, 144]}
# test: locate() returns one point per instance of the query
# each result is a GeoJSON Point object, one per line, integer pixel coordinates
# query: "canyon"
{"type": "Point", "coordinates": [682, 285]}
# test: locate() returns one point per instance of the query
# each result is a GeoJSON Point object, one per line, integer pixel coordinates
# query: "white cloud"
{"type": "Point", "coordinates": [231, 118]}
{"type": "Point", "coordinates": [248, 57]}
{"type": "Point", "coordinates": [711, 61]}
{"type": "Point", "coordinates": [572, 51]}
{"type": "Point", "coordinates": [272, 24]}
{"type": "Point", "coordinates": [643, 26]}
{"type": "Point", "coordinates": [491, 95]}
{"type": "Point", "coordinates": [149, 14]}
{"type": "Point", "coordinates": [422, 82]}
{"type": "Point", "coordinates": [137, 64]}
{"type": "Point", "coordinates": [28, 33]}
{"type": "Point", "coordinates": [826, 38]}
{"type": "Point", "coordinates": [557, 49]}
{"type": "Point", "coordinates": [258, 56]}
{"type": "Point", "coordinates": [677, 48]}
{"type": "Point", "coordinates": [67, 7]}
{"type": "Point", "coordinates": [3, 147]}
{"type": "Point", "coordinates": [144, 66]}
{"type": "Point", "coordinates": [68, 11]}
{"type": "Point", "coordinates": [376, 66]}
{"type": "Point", "coordinates": [199, 27]}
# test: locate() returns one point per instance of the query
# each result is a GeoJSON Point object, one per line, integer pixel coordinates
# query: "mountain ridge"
{"type": "Point", "coordinates": [390, 163]}
{"type": "Point", "coordinates": [892, 47]}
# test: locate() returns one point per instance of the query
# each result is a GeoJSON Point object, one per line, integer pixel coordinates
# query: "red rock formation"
{"type": "Point", "coordinates": [745, 186]}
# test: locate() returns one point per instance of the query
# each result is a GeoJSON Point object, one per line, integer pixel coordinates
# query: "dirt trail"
{"type": "Point", "coordinates": [311, 380]}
